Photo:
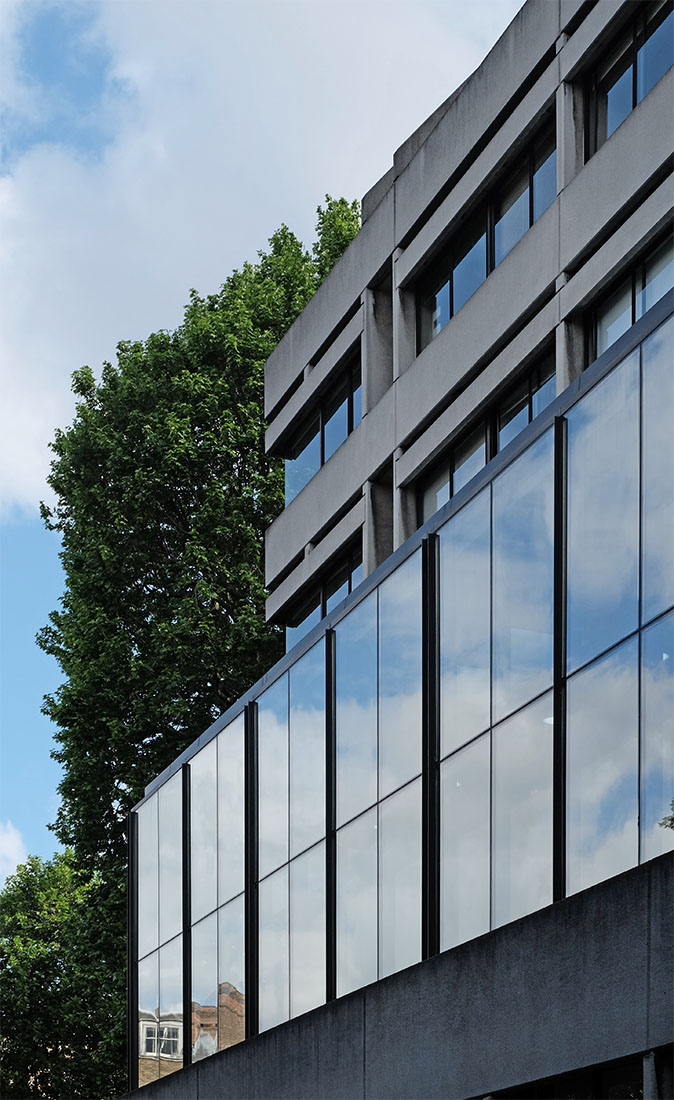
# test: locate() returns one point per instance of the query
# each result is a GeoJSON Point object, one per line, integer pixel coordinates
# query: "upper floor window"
{"type": "Point", "coordinates": [518, 406]}
{"type": "Point", "coordinates": [642, 288]}
{"type": "Point", "coordinates": [338, 413]}
{"type": "Point", "coordinates": [487, 237]}
{"type": "Point", "coordinates": [331, 589]}
{"type": "Point", "coordinates": [640, 56]}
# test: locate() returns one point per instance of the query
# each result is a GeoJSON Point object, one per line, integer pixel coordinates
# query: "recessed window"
{"type": "Point", "coordinates": [646, 284]}
{"type": "Point", "coordinates": [523, 401]}
{"type": "Point", "coordinates": [330, 591]}
{"type": "Point", "coordinates": [487, 237]}
{"type": "Point", "coordinates": [637, 60]}
{"type": "Point", "coordinates": [339, 412]}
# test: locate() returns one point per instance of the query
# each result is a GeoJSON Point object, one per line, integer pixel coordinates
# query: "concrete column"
{"type": "Point", "coordinates": [377, 344]}
{"type": "Point", "coordinates": [570, 129]}
{"type": "Point", "coordinates": [404, 326]}
{"type": "Point", "coordinates": [569, 351]}
{"type": "Point", "coordinates": [650, 1080]}
{"type": "Point", "coordinates": [378, 526]}
{"type": "Point", "coordinates": [404, 510]}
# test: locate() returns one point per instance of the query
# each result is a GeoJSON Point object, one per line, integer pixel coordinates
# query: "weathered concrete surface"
{"type": "Point", "coordinates": [584, 981]}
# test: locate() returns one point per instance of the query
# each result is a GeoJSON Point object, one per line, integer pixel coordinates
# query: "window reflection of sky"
{"type": "Point", "coordinates": [658, 471]}
{"type": "Point", "coordinates": [272, 722]}
{"type": "Point", "coordinates": [356, 675]}
{"type": "Point", "coordinates": [657, 736]}
{"type": "Point", "coordinates": [307, 749]}
{"type": "Point", "coordinates": [230, 810]}
{"type": "Point", "coordinates": [203, 830]}
{"type": "Point", "coordinates": [400, 675]}
{"type": "Point", "coordinates": [357, 903]}
{"type": "Point", "coordinates": [170, 858]}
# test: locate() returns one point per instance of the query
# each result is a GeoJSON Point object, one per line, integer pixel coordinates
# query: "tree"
{"type": "Point", "coordinates": [58, 996]}
{"type": "Point", "coordinates": [163, 493]}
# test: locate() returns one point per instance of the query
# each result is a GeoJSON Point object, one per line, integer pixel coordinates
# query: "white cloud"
{"type": "Point", "coordinates": [225, 120]}
{"type": "Point", "coordinates": [12, 850]}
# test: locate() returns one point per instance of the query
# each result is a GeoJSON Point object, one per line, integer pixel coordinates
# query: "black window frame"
{"type": "Point", "coordinates": [318, 595]}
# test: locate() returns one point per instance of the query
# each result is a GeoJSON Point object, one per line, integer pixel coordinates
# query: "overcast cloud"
{"type": "Point", "coordinates": [172, 142]}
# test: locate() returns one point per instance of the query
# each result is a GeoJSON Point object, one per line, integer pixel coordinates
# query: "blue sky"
{"type": "Point", "coordinates": [146, 148]}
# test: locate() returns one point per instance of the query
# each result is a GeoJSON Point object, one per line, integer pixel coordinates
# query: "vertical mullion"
{"type": "Point", "coordinates": [430, 795]}
{"type": "Point", "coordinates": [330, 819]}
{"type": "Point", "coordinates": [559, 663]}
{"type": "Point", "coordinates": [640, 592]}
{"type": "Point", "coordinates": [187, 916]}
{"type": "Point", "coordinates": [132, 952]}
{"type": "Point", "coordinates": [251, 869]}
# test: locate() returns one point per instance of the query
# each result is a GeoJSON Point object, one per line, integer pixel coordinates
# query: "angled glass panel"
{"type": "Point", "coordinates": [602, 769]}
{"type": "Point", "coordinates": [274, 1005]}
{"type": "Point", "coordinates": [545, 176]}
{"type": "Point", "coordinates": [231, 810]}
{"type": "Point", "coordinates": [307, 930]}
{"type": "Point", "coordinates": [614, 88]}
{"type": "Point", "coordinates": [511, 214]}
{"type": "Point", "coordinates": [272, 741]}
{"type": "Point", "coordinates": [655, 57]}
{"type": "Point", "coordinates": [148, 877]}
{"type": "Point", "coordinates": [336, 426]}
{"type": "Point", "coordinates": [300, 469]}
{"type": "Point", "coordinates": [614, 317]}
{"type": "Point", "coordinates": [400, 675]}
{"type": "Point", "coordinates": [171, 1007]}
{"type": "Point", "coordinates": [148, 1019]}
{"type": "Point", "coordinates": [603, 514]}
{"type": "Point", "coordinates": [435, 492]}
{"type": "Point", "coordinates": [545, 386]}
{"type": "Point", "coordinates": [170, 858]}
{"type": "Point", "coordinates": [204, 830]}
{"type": "Point", "coordinates": [307, 749]}
{"type": "Point", "coordinates": [400, 879]}
{"type": "Point", "coordinates": [657, 738]}
{"type": "Point", "coordinates": [205, 988]}
{"type": "Point", "coordinates": [468, 458]}
{"type": "Point", "coordinates": [522, 812]}
{"type": "Point", "coordinates": [656, 279]}
{"type": "Point", "coordinates": [357, 903]}
{"type": "Point", "coordinates": [658, 471]}
{"type": "Point", "coordinates": [513, 413]}
{"type": "Point", "coordinates": [522, 579]}
{"type": "Point", "coordinates": [356, 678]}
{"type": "Point", "coordinates": [231, 974]}
{"type": "Point", "coordinates": [465, 613]}
{"type": "Point", "coordinates": [470, 268]}
{"type": "Point", "coordinates": [464, 844]}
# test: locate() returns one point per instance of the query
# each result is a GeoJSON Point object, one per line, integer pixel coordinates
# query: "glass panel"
{"type": "Point", "coordinates": [511, 214]}
{"type": "Point", "coordinates": [204, 828]}
{"type": "Point", "coordinates": [357, 903]}
{"type": "Point", "coordinates": [337, 589]}
{"type": "Point", "coordinates": [307, 749]}
{"type": "Point", "coordinates": [658, 471]}
{"type": "Point", "coordinates": [545, 386]}
{"type": "Point", "coordinates": [603, 514]}
{"type": "Point", "coordinates": [272, 739]}
{"type": "Point", "coordinates": [204, 988]}
{"type": "Point", "coordinates": [658, 278]}
{"type": "Point", "coordinates": [471, 269]}
{"type": "Point", "coordinates": [148, 877]}
{"type": "Point", "coordinates": [336, 426]}
{"type": "Point", "coordinates": [434, 310]}
{"type": "Point", "coordinates": [522, 812]}
{"type": "Point", "coordinates": [400, 880]}
{"type": "Point", "coordinates": [522, 580]}
{"type": "Point", "coordinates": [657, 738]}
{"type": "Point", "coordinates": [170, 858]}
{"type": "Point", "coordinates": [231, 810]}
{"type": "Point", "coordinates": [274, 972]}
{"type": "Point", "coordinates": [148, 1019]}
{"type": "Point", "coordinates": [615, 104]}
{"type": "Point", "coordinates": [464, 852]}
{"type": "Point", "coordinates": [465, 623]}
{"type": "Point", "coordinates": [400, 675]}
{"type": "Point", "coordinates": [309, 614]}
{"type": "Point", "coordinates": [300, 470]}
{"type": "Point", "coordinates": [231, 974]}
{"type": "Point", "coordinates": [307, 931]}
{"type": "Point", "coordinates": [171, 1006]}
{"type": "Point", "coordinates": [356, 678]}
{"type": "Point", "coordinates": [356, 575]}
{"type": "Point", "coordinates": [655, 57]}
{"type": "Point", "coordinates": [440, 307]}
{"type": "Point", "coordinates": [468, 458]}
{"type": "Point", "coordinates": [614, 317]}
{"type": "Point", "coordinates": [545, 176]}
{"type": "Point", "coordinates": [357, 402]}
{"type": "Point", "coordinates": [513, 413]}
{"type": "Point", "coordinates": [601, 797]}
{"type": "Point", "coordinates": [435, 493]}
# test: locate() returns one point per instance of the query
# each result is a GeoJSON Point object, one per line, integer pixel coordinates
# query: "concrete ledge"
{"type": "Point", "coordinates": [581, 48]}
{"type": "Point", "coordinates": [581, 982]}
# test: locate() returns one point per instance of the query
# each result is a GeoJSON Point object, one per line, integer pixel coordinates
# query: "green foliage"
{"type": "Point", "coordinates": [163, 493]}
{"type": "Point", "coordinates": [668, 820]}
{"type": "Point", "coordinates": [60, 1004]}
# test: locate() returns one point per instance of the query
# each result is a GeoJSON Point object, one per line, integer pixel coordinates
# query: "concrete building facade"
{"type": "Point", "coordinates": [430, 852]}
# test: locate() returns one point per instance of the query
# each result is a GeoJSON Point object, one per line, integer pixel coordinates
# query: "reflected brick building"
{"type": "Point", "coordinates": [430, 847]}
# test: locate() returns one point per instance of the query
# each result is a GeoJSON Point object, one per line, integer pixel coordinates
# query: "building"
{"type": "Point", "coordinates": [428, 854]}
